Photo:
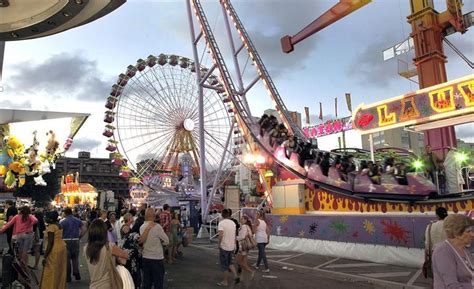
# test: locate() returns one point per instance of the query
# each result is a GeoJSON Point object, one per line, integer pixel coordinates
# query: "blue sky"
{"type": "Point", "coordinates": [74, 70]}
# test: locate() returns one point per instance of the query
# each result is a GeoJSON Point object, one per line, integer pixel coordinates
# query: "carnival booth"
{"type": "Point", "coordinates": [74, 193]}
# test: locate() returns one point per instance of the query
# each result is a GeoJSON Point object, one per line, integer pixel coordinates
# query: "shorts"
{"type": "Point", "coordinates": [225, 257]}
{"type": "Point", "coordinates": [24, 241]}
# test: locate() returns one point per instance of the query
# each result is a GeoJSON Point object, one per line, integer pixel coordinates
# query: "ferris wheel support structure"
{"type": "Point", "coordinates": [214, 185]}
{"type": "Point", "coordinates": [202, 157]}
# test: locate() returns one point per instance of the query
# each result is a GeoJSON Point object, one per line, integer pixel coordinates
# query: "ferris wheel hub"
{"type": "Point", "coordinates": [188, 124]}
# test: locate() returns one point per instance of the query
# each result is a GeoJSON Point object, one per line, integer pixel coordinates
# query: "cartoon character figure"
{"type": "Point", "coordinates": [52, 145]}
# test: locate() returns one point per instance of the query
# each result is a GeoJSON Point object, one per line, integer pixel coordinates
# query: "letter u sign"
{"type": "Point", "coordinates": [442, 100]}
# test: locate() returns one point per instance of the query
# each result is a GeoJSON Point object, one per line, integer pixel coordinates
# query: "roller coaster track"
{"type": "Point", "coordinates": [246, 122]}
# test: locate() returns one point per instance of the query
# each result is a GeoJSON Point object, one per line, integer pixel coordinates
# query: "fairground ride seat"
{"type": "Point", "coordinates": [315, 173]}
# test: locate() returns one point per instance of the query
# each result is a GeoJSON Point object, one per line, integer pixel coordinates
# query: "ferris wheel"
{"type": "Point", "coordinates": [152, 124]}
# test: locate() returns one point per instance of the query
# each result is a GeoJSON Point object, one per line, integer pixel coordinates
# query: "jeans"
{"type": "Point", "coordinates": [153, 273]}
{"type": "Point", "coordinates": [72, 257]}
{"type": "Point", "coordinates": [262, 255]}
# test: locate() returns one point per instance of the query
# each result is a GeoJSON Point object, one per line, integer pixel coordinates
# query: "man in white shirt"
{"type": "Point", "coordinates": [227, 230]}
{"type": "Point", "coordinates": [436, 232]}
{"type": "Point", "coordinates": [153, 238]}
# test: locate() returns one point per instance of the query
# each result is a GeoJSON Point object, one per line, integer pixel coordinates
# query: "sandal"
{"type": "Point", "coordinates": [222, 284]}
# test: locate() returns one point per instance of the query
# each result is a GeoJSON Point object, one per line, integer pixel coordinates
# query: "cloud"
{"type": "Point", "coordinates": [265, 30]}
{"type": "Point", "coordinates": [465, 131]}
{"type": "Point", "coordinates": [20, 105]}
{"type": "Point", "coordinates": [369, 66]}
{"type": "Point", "coordinates": [62, 75]}
{"type": "Point", "coordinates": [85, 144]}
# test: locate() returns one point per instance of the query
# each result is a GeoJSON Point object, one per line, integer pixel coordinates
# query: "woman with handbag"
{"type": "Point", "coordinates": [246, 242]}
{"type": "Point", "coordinates": [99, 255]}
{"type": "Point", "coordinates": [262, 236]}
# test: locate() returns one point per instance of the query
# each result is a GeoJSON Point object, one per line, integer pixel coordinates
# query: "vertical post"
{"type": "Point", "coordinates": [202, 155]}
{"type": "Point", "coordinates": [371, 144]}
{"type": "Point", "coordinates": [234, 56]}
{"type": "Point", "coordinates": [213, 190]}
{"type": "Point", "coordinates": [344, 139]}
{"type": "Point", "coordinates": [430, 63]}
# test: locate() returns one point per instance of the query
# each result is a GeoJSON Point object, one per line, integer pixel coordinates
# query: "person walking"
{"type": "Point", "coordinates": [153, 238]}
{"type": "Point", "coordinates": [453, 265]}
{"type": "Point", "coordinates": [98, 253]}
{"type": "Point", "coordinates": [55, 255]}
{"type": "Point", "coordinates": [242, 255]}
{"type": "Point", "coordinates": [175, 226]}
{"type": "Point", "coordinates": [129, 242]}
{"type": "Point", "coordinates": [72, 228]}
{"type": "Point", "coordinates": [434, 235]}
{"type": "Point", "coordinates": [11, 212]}
{"type": "Point", "coordinates": [262, 236]}
{"type": "Point", "coordinates": [226, 229]}
{"type": "Point", "coordinates": [22, 232]}
{"type": "Point", "coordinates": [38, 231]}
{"type": "Point", "coordinates": [165, 222]}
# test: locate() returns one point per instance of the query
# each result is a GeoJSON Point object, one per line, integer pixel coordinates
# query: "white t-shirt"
{"type": "Point", "coordinates": [228, 238]}
{"type": "Point", "coordinates": [438, 234]}
{"type": "Point", "coordinates": [153, 246]}
{"type": "Point", "coordinates": [261, 232]}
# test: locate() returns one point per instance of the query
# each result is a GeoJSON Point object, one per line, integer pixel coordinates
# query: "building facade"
{"type": "Point", "coordinates": [397, 137]}
{"type": "Point", "coordinates": [98, 172]}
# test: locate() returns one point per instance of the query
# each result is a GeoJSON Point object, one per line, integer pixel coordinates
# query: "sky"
{"type": "Point", "coordinates": [74, 70]}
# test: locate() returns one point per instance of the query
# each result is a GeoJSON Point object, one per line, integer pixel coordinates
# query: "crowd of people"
{"type": "Point", "coordinates": [232, 233]}
{"type": "Point", "coordinates": [141, 241]}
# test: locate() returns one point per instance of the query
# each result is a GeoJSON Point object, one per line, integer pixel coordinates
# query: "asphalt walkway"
{"type": "Point", "coordinates": [199, 269]}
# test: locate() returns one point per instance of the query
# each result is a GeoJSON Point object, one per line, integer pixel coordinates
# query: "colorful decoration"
{"type": "Point", "coordinates": [329, 127]}
{"type": "Point", "coordinates": [324, 201]}
{"type": "Point", "coordinates": [16, 162]}
{"type": "Point", "coordinates": [395, 230]}
{"type": "Point", "coordinates": [443, 101]}
{"type": "Point", "coordinates": [369, 227]}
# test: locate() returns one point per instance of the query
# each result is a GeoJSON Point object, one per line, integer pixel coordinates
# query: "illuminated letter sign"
{"type": "Point", "coordinates": [409, 110]}
{"type": "Point", "coordinates": [467, 91]}
{"type": "Point", "coordinates": [385, 118]}
{"type": "Point", "coordinates": [442, 100]}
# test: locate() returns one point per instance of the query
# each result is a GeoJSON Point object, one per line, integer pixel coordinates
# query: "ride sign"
{"type": "Point", "coordinates": [447, 100]}
{"type": "Point", "coordinates": [329, 127]}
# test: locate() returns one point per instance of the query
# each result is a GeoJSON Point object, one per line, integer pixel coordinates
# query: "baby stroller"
{"type": "Point", "coordinates": [15, 274]}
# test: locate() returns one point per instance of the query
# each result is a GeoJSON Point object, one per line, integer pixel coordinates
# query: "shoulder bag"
{"type": "Point", "coordinates": [427, 265]}
{"type": "Point", "coordinates": [116, 281]}
{"type": "Point", "coordinates": [248, 243]}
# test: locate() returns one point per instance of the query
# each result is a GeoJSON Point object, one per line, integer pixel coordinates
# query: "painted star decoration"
{"type": "Point", "coordinates": [283, 219]}
{"type": "Point", "coordinates": [458, 95]}
{"type": "Point", "coordinates": [301, 233]}
{"type": "Point", "coordinates": [312, 228]}
{"type": "Point", "coordinates": [369, 227]}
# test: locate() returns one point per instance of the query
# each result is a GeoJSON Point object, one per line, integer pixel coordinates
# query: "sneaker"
{"type": "Point", "coordinates": [266, 270]}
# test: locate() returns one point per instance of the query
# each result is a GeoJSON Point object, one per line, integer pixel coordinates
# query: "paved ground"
{"type": "Point", "coordinates": [199, 269]}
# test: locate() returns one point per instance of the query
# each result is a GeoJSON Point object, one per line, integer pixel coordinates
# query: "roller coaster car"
{"type": "Point", "coordinates": [418, 187]}
{"type": "Point", "coordinates": [335, 179]}
{"type": "Point", "coordinates": [293, 162]}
